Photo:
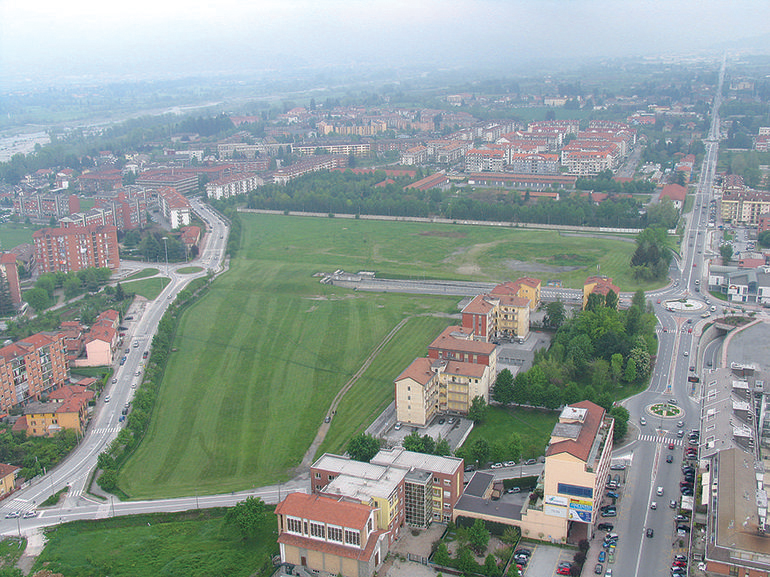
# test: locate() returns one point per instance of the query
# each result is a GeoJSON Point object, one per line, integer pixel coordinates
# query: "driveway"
{"type": "Point", "coordinates": [545, 559]}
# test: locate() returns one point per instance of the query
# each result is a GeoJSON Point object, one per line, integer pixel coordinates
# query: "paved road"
{"type": "Point", "coordinates": [105, 424]}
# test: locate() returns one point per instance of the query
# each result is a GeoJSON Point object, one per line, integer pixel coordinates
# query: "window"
{"type": "Point", "coordinates": [293, 525]}
{"type": "Point", "coordinates": [446, 505]}
{"type": "Point", "coordinates": [447, 494]}
{"type": "Point", "coordinates": [447, 482]}
{"type": "Point", "coordinates": [317, 530]}
{"type": "Point", "coordinates": [317, 475]}
{"type": "Point", "coordinates": [435, 480]}
{"type": "Point", "coordinates": [352, 537]}
{"type": "Point", "coordinates": [335, 534]}
{"type": "Point", "coordinates": [370, 524]}
{"type": "Point", "coordinates": [575, 490]}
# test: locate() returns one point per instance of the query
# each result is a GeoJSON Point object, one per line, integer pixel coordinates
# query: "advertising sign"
{"type": "Point", "coordinates": [554, 500]}
{"type": "Point", "coordinates": [579, 515]}
{"type": "Point", "coordinates": [555, 511]}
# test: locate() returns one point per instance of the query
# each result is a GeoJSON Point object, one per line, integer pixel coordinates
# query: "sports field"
{"type": "Point", "coordinates": [262, 355]}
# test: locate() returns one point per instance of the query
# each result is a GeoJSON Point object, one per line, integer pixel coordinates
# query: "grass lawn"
{"type": "Point", "coordinates": [144, 273]}
{"type": "Point", "coordinates": [13, 234]}
{"type": "Point", "coordinates": [181, 544]}
{"type": "Point", "coordinates": [262, 354]}
{"type": "Point", "coordinates": [11, 549]}
{"type": "Point", "coordinates": [533, 425]}
{"type": "Point", "coordinates": [189, 270]}
{"type": "Point", "coordinates": [96, 372]}
{"type": "Point", "coordinates": [149, 288]}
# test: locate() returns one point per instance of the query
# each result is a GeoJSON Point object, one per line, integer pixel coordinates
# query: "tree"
{"type": "Point", "coordinates": [514, 446]}
{"type": "Point", "coordinates": [247, 517]}
{"type": "Point", "coordinates": [478, 537]}
{"type": "Point", "coordinates": [412, 442]}
{"type": "Point", "coordinates": [441, 557]}
{"type": "Point", "coordinates": [616, 367]}
{"type": "Point", "coordinates": [631, 371]}
{"type": "Point", "coordinates": [442, 448]}
{"type": "Point", "coordinates": [490, 566]}
{"type": "Point", "coordinates": [38, 299]}
{"type": "Point", "coordinates": [119, 294]}
{"type": "Point", "coordinates": [479, 451]}
{"type": "Point", "coordinates": [555, 314]}
{"type": "Point", "coordinates": [478, 410]}
{"type": "Point", "coordinates": [726, 250]}
{"type": "Point", "coordinates": [621, 416]}
{"type": "Point", "coordinates": [595, 302]}
{"type": "Point", "coordinates": [611, 300]}
{"type": "Point", "coordinates": [503, 388]}
{"type": "Point", "coordinates": [363, 447]}
{"type": "Point", "coordinates": [72, 287]}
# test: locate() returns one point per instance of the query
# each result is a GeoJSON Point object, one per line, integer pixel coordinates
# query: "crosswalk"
{"type": "Point", "coordinates": [102, 430]}
{"type": "Point", "coordinates": [663, 440]}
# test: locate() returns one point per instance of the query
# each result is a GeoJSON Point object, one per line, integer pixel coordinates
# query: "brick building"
{"type": "Point", "coordinates": [73, 249]}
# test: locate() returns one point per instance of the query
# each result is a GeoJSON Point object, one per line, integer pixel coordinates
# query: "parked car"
{"type": "Point", "coordinates": [672, 504]}
{"type": "Point", "coordinates": [605, 526]}
{"type": "Point", "coordinates": [602, 556]}
{"type": "Point", "coordinates": [669, 458]}
{"type": "Point", "coordinates": [613, 495]}
{"type": "Point", "coordinates": [598, 569]}
{"type": "Point", "coordinates": [618, 467]}
{"type": "Point", "coordinates": [531, 462]}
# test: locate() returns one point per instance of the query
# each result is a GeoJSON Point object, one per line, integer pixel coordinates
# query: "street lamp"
{"type": "Point", "coordinates": [165, 245]}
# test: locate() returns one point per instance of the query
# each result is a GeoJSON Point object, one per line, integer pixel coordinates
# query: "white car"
{"type": "Point", "coordinates": [107, 399]}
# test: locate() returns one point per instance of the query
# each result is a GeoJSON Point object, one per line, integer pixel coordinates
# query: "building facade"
{"type": "Point", "coordinates": [73, 249]}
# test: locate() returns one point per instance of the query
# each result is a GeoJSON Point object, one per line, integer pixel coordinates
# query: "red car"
{"type": "Point", "coordinates": [562, 571]}
{"type": "Point", "coordinates": [679, 563]}
{"type": "Point", "coordinates": [671, 446]}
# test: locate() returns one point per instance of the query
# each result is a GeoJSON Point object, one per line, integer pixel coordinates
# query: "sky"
{"type": "Point", "coordinates": [42, 40]}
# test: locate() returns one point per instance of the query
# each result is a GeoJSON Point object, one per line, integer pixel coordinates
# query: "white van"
{"type": "Point", "coordinates": [659, 491]}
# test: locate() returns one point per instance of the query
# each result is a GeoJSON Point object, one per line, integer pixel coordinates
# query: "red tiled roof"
{"type": "Point", "coordinates": [674, 192]}
{"type": "Point", "coordinates": [419, 371]}
{"type": "Point", "coordinates": [474, 370]}
{"type": "Point", "coordinates": [325, 510]}
{"type": "Point", "coordinates": [581, 447]}
{"type": "Point", "coordinates": [6, 469]}
{"type": "Point", "coordinates": [20, 424]}
{"type": "Point", "coordinates": [479, 306]}
{"type": "Point", "coordinates": [332, 548]}
{"type": "Point", "coordinates": [446, 341]}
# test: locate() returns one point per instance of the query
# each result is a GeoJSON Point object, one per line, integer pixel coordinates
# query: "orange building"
{"type": "Point", "coordinates": [76, 248]}
{"type": "Point", "coordinates": [67, 408]}
{"type": "Point", "coordinates": [600, 285]}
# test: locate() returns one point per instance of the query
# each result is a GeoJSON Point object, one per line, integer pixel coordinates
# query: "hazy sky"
{"type": "Point", "coordinates": [44, 38]}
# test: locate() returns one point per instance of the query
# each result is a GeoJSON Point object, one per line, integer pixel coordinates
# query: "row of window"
{"type": "Point", "coordinates": [327, 532]}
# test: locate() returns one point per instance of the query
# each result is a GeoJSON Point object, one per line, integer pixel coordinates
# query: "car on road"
{"type": "Point", "coordinates": [107, 399]}
{"type": "Point", "coordinates": [618, 467]}
{"type": "Point", "coordinates": [598, 569]}
{"type": "Point", "coordinates": [672, 504]}
{"type": "Point", "coordinates": [128, 351]}
{"type": "Point", "coordinates": [441, 421]}
{"type": "Point", "coordinates": [642, 421]}
{"type": "Point", "coordinates": [687, 353]}
{"type": "Point", "coordinates": [613, 495]}
{"type": "Point", "coordinates": [496, 466]}
{"type": "Point", "coordinates": [114, 380]}
{"type": "Point", "coordinates": [123, 361]}
{"type": "Point", "coordinates": [659, 491]}
{"type": "Point", "coordinates": [671, 446]}
{"type": "Point", "coordinates": [669, 458]}
{"type": "Point", "coordinates": [397, 427]}
{"type": "Point", "coordinates": [563, 571]}
{"type": "Point", "coordinates": [602, 556]}
{"type": "Point", "coordinates": [145, 354]}
{"type": "Point", "coordinates": [609, 513]}
{"type": "Point", "coordinates": [13, 515]}
{"type": "Point", "coordinates": [650, 532]}
{"type": "Point", "coordinates": [30, 514]}
{"type": "Point", "coordinates": [530, 462]}
{"type": "Point", "coordinates": [682, 519]}
{"type": "Point", "coordinates": [510, 463]}
{"type": "Point", "coordinates": [137, 373]}
{"type": "Point", "coordinates": [653, 505]}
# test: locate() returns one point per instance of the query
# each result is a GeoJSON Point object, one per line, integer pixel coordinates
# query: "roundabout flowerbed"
{"type": "Point", "coordinates": [665, 410]}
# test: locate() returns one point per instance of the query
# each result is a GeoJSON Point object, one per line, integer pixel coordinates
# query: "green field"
{"type": "Point", "coordinates": [261, 356]}
{"type": "Point", "coordinates": [193, 544]}
{"type": "Point", "coordinates": [189, 270]}
{"type": "Point", "coordinates": [14, 234]}
{"type": "Point", "coordinates": [533, 425]}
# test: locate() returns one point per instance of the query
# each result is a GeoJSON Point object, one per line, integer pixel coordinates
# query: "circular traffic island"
{"type": "Point", "coordinates": [665, 410]}
{"type": "Point", "coordinates": [685, 305]}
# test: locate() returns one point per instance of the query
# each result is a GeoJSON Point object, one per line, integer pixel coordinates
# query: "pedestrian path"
{"type": "Point", "coordinates": [102, 430]}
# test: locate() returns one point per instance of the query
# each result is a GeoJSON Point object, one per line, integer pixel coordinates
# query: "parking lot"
{"type": "Point", "coordinates": [546, 558]}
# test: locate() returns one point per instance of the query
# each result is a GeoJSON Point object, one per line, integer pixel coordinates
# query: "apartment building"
{"type": "Point", "coordinates": [30, 368]}
{"type": "Point", "coordinates": [744, 207]}
{"type": "Point", "coordinates": [180, 180]}
{"type": "Point", "coordinates": [534, 163]}
{"type": "Point", "coordinates": [76, 248]}
{"type": "Point", "coordinates": [234, 185]}
{"type": "Point", "coordinates": [495, 316]}
{"type": "Point", "coordinates": [348, 149]}
{"type": "Point", "coordinates": [457, 343]}
{"type": "Point", "coordinates": [42, 207]}
{"type": "Point", "coordinates": [174, 207]}
{"type": "Point", "coordinates": [338, 537]}
{"type": "Point", "coordinates": [482, 160]}
{"type": "Point", "coordinates": [308, 165]}
{"type": "Point", "coordinates": [100, 180]}
{"type": "Point", "coordinates": [9, 275]}
{"type": "Point", "coordinates": [523, 287]}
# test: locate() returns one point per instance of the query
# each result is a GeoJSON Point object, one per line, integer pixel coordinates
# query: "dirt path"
{"type": "Point", "coordinates": [307, 460]}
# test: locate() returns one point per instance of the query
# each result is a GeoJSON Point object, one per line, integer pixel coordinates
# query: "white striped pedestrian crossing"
{"type": "Point", "coordinates": [102, 430]}
{"type": "Point", "coordinates": [657, 439]}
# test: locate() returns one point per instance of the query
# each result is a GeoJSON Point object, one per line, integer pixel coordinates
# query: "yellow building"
{"type": "Point", "coordinates": [417, 390]}
{"type": "Point", "coordinates": [524, 287]}
{"type": "Point", "coordinates": [7, 479]}
{"type": "Point", "coordinates": [577, 462]}
{"type": "Point", "coordinates": [67, 408]}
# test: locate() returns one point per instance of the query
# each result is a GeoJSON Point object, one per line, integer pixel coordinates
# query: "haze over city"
{"type": "Point", "coordinates": [43, 42]}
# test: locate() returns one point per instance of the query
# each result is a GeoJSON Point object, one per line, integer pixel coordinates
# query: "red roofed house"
{"type": "Point", "coordinates": [334, 536]}
{"type": "Point", "coordinates": [598, 285]}
{"type": "Point", "coordinates": [676, 193]}
{"type": "Point", "coordinates": [101, 341]}
{"type": "Point", "coordinates": [67, 408]}
{"type": "Point", "coordinates": [438, 180]}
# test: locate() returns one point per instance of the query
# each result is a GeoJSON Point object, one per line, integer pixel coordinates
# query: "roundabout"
{"type": "Point", "coordinates": [664, 410]}
{"type": "Point", "coordinates": [685, 305]}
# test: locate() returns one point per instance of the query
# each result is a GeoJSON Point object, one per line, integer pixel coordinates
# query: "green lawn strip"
{"type": "Point", "coordinates": [374, 390]}
{"type": "Point", "coordinates": [148, 288]}
{"type": "Point", "coordinates": [533, 425]}
{"type": "Point", "coordinates": [95, 372]}
{"type": "Point", "coordinates": [196, 543]}
{"type": "Point", "coordinates": [689, 201]}
{"type": "Point", "coordinates": [189, 270]}
{"type": "Point", "coordinates": [144, 273]}
{"type": "Point", "coordinates": [14, 234]}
